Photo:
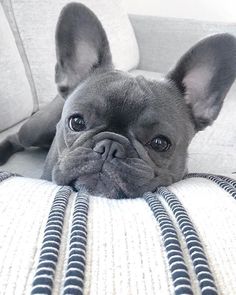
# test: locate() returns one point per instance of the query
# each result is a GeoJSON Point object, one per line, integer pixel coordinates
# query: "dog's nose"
{"type": "Point", "coordinates": [109, 149]}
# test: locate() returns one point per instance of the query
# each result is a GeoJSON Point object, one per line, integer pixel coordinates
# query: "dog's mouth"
{"type": "Point", "coordinates": [111, 190]}
{"type": "Point", "coordinates": [101, 185]}
{"type": "Point", "coordinates": [117, 178]}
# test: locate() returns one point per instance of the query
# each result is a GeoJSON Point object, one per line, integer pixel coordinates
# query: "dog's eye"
{"type": "Point", "coordinates": [160, 143]}
{"type": "Point", "coordinates": [76, 123]}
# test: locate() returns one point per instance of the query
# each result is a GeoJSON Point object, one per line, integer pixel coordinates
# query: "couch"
{"type": "Point", "coordinates": [127, 232]}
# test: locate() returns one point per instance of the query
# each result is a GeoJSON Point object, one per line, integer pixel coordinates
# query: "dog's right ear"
{"type": "Point", "coordinates": [204, 75]}
{"type": "Point", "coordinates": [81, 47]}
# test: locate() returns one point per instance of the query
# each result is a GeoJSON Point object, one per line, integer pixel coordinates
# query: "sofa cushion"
{"type": "Point", "coordinates": [213, 149]}
{"type": "Point", "coordinates": [36, 21]}
{"type": "Point", "coordinates": [178, 240]}
{"type": "Point", "coordinates": [162, 40]}
{"type": "Point", "coordinates": [16, 101]}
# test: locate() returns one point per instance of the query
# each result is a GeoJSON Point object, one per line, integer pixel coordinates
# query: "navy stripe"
{"type": "Point", "coordinates": [226, 183]}
{"type": "Point", "coordinates": [44, 276]}
{"type": "Point", "coordinates": [229, 180]}
{"type": "Point", "coordinates": [178, 268]}
{"type": "Point", "coordinates": [4, 175]}
{"type": "Point", "coordinates": [192, 239]}
{"type": "Point", "coordinates": [74, 279]}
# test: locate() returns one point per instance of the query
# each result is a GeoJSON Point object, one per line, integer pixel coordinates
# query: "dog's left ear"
{"type": "Point", "coordinates": [81, 47]}
{"type": "Point", "coordinates": [204, 75]}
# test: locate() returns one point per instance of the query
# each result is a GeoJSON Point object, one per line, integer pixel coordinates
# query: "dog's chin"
{"type": "Point", "coordinates": [100, 185]}
{"type": "Point", "coordinates": [118, 178]}
{"type": "Point", "coordinates": [110, 183]}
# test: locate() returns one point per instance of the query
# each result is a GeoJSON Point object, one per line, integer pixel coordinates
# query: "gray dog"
{"type": "Point", "coordinates": [118, 135]}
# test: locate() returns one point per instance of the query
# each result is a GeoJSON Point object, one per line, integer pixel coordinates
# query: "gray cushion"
{"type": "Point", "coordinates": [163, 40]}
{"type": "Point", "coordinates": [15, 95]}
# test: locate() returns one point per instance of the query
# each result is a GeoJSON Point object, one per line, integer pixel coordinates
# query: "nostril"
{"type": "Point", "coordinates": [102, 149]}
{"type": "Point", "coordinates": [114, 153]}
{"type": "Point", "coordinates": [117, 151]}
{"type": "Point", "coordinates": [99, 148]}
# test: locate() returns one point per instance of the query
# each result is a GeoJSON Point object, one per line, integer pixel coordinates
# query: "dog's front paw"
{"type": "Point", "coordinates": [7, 148]}
{"type": "Point", "coordinates": [5, 151]}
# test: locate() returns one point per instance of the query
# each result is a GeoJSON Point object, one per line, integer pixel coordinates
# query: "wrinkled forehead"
{"type": "Point", "coordinates": [120, 96]}
{"type": "Point", "coordinates": [112, 91]}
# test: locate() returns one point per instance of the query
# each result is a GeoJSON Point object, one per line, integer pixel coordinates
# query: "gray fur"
{"type": "Point", "coordinates": [123, 114]}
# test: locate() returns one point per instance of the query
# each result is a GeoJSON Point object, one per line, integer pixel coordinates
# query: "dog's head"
{"type": "Point", "coordinates": [121, 135]}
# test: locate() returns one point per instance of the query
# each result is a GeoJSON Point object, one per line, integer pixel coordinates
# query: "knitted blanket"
{"type": "Point", "coordinates": [179, 240]}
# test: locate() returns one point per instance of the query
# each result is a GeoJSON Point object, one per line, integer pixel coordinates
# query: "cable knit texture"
{"type": "Point", "coordinates": [179, 240]}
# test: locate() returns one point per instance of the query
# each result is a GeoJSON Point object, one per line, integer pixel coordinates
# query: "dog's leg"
{"type": "Point", "coordinates": [38, 131]}
{"type": "Point", "coordinates": [8, 147]}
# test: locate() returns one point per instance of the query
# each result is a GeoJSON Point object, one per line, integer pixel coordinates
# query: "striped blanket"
{"type": "Point", "coordinates": [179, 240]}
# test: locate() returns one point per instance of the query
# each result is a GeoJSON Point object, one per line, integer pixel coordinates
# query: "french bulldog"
{"type": "Point", "coordinates": [115, 134]}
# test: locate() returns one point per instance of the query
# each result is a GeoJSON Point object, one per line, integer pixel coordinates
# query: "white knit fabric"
{"type": "Point", "coordinates": [24, 208]}
{"type": "Point", "coordinates": [125, 252]}
{"type": "Point", "coordinates": [212, 211]}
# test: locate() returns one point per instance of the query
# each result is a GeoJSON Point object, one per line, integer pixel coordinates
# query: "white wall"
{"type": "Point", "coordinates": [212, 10]}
